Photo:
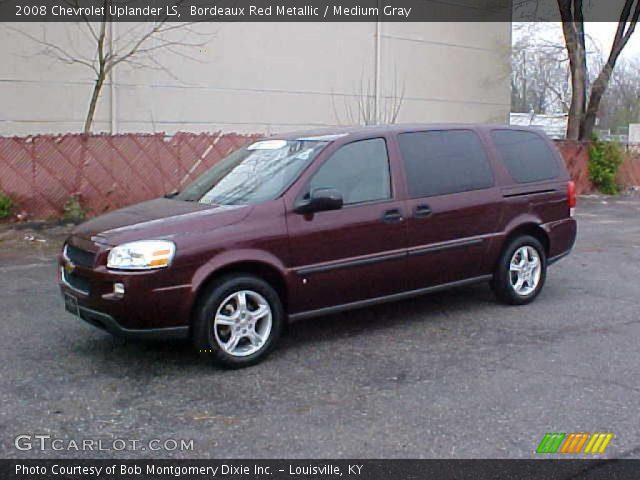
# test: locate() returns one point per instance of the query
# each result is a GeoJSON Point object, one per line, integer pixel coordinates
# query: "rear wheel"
{"type": "Point", "coordinates": [521, 271]}
{"type": "Point", "coordinates": [238, 321]}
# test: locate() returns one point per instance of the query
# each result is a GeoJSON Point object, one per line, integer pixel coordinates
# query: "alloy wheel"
{"type": "Point", "coordinates": [243, 323]}
{"type": "Point", "coordinates": [525, 270]}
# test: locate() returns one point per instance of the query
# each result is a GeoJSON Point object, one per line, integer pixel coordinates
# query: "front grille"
{"type": "Point", "coordinates": [79, 257]}
{"type": "Point", "coordinates": [74, 281]}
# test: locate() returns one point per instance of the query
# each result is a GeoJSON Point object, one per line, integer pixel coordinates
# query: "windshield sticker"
{"type": "Point", "coordinates": [268, 145]}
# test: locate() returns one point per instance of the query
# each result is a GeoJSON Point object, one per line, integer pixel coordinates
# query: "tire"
{"type": "Point", "coordinates": [234, 336]}
{"type": "Point", "coordinates": [523, 286]}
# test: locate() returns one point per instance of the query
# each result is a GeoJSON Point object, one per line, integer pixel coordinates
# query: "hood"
{"type": "Point", "coordinates": [157, 219]}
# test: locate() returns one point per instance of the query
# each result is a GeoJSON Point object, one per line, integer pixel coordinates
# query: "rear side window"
{"type": "Point", "coordinates": [359, 171]}
{"type": "Point", "coordinates": [526, 155]}
{"type": "Point", "coordinates": [442, 162]}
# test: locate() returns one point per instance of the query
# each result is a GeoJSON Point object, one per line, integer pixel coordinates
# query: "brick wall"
{"type": "Point", "coordinates": [576, 157]}
{"type": "Point", "coordinates": [629, 173]}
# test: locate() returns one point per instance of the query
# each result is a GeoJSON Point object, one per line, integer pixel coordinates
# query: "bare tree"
{"type": "Point", "coordinates": [540, 73]}
{"type": "Point", "coordinates": [135, 46]}
{"type": "Point", "coordinates": [621, 104]}
{"type": "Point", "coordinates": [585, 105]}
{"type": "Point", "coordinates": [365, 111]}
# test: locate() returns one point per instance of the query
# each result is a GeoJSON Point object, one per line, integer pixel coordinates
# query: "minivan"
{"type": "Point", "coordinates": [312, 223]}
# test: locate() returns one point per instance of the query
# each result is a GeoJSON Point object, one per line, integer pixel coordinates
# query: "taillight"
{"type": "Point", "coordinates": [572, 198]}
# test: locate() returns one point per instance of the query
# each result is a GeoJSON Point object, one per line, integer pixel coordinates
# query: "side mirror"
{"type": "Point", "coordinates": [320, 200]}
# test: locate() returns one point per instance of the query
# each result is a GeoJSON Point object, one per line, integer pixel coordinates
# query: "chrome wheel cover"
{"type": "Point", "coordinates": [242, 323]}
{"type": "Point", "coordinates": [525, 270]}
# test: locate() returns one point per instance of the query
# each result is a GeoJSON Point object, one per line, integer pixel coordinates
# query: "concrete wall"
{"type": "Point", "coordinates": [259, 77]}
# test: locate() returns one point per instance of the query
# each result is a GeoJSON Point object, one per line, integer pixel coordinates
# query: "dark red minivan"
{"type": "Point", "coordinates": [307, 224]}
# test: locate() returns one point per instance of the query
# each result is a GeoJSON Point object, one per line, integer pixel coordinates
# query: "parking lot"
{"type": "Point", "coordinates": [453, 374]}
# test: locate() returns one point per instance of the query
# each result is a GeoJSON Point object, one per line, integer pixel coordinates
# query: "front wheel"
{"type": "Point", "coordinates": [238, 321]}
{"type": "Point", "coordinates": [521, 271]}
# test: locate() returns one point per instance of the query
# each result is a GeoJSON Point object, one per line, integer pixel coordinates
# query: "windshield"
{"type": "Point", "coordinates": [254, 174]}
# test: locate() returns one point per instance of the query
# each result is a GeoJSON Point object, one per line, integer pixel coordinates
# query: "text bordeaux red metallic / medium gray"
{"type": "Point", "coordinates": [310, 223]}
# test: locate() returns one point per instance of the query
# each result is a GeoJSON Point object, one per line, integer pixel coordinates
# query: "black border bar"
{"type": "Point", "coordinates": [299, 10]}
{"type": "Point", "coordinates": [320, 469]}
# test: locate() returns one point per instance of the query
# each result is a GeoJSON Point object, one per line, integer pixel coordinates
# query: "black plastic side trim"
{"type": "Point", "coordinates": [557, 258]}
{"type": "Point", "coordinates": [350, 263]}
{"type": "Point", "coordinates": [533, 192]}
{"type": "Point", "coordinates": [446, 246]}
{"type": "Point", "coordinates": [390, 298]}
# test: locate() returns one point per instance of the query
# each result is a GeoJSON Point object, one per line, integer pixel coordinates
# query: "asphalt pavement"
{"type": "Point", "coordinates": [450, 375]}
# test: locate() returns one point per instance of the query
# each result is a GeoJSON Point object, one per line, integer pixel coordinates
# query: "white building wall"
{"type": "Point", "coordinates": [261, 77]}
{"type": "Point", "coordinates": [634, 133]}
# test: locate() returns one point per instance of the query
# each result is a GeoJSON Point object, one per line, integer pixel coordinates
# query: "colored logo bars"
{"type": "Point", "coordinates": [574, 443]}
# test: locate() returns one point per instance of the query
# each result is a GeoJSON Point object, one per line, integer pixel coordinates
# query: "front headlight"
{"type": "Point", "coordinates": [146, 254]}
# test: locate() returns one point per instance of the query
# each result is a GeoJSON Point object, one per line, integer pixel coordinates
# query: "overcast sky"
{"type": "Point", "coordinates": [603, 32]}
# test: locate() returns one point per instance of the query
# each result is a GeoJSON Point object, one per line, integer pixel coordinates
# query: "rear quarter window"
{"type": "Point", "coordinates": [526, 155]}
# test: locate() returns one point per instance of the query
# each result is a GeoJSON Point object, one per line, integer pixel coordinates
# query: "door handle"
{"type": "Point", "coordinates": [423, 211]}
{"type": "Point", "coordinates": [392, 216]}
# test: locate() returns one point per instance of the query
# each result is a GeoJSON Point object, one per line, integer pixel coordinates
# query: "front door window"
{"type": "Point", "coordinates": [359, 171]}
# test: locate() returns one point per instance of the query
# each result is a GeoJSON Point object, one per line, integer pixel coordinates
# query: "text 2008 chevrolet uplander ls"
{"type": "Point", "coordinates": [306, 224]}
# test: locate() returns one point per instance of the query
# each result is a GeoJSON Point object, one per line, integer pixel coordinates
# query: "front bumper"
{"type": "Point", "coordinates": [155, 303]}
{"type": "Point", "coordinates": [109, 324]}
